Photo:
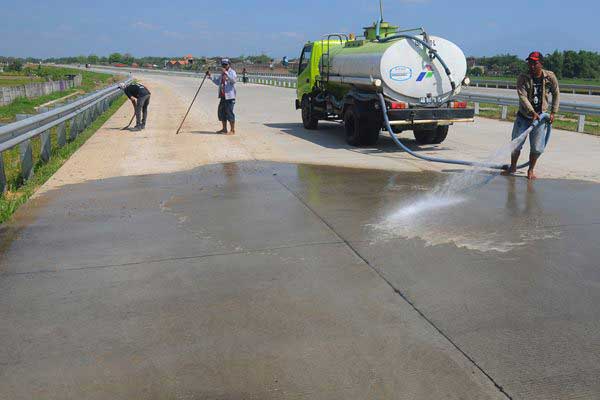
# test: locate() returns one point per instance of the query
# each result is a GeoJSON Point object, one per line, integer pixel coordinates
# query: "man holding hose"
{"type": "Point", "coordinates": [533, 89]}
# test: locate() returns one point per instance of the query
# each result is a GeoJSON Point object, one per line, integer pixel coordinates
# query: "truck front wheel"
{"type": "Point", "coordinates": [361, 130]}
{"type": "Point", "coordinates": [309, 118]}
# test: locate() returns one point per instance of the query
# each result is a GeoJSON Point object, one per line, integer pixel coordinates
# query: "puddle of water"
{"type": "Point", "coordinates": [452, 191]}
{"type": "Point", "coordinates": [426, 216]}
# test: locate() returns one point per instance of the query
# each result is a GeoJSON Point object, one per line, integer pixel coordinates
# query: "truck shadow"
{"type": "Point", "coordinates": [333, 136]}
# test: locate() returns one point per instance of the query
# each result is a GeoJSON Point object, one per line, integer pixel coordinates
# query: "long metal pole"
{"type": "Point", "coordinates": [192, 103]}
{"type": "Point", "coordinates": [381, 9]}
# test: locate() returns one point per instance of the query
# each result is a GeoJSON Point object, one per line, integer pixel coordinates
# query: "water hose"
{"type": "Point", "coordinates": [543, 118]}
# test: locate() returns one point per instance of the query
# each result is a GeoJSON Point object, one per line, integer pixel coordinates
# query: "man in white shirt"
{"type": "Point", "coordinates": [227, 97]}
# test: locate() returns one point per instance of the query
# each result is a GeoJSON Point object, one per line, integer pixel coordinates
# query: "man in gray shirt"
{"type": "Point", "coordinates": [227, 94]}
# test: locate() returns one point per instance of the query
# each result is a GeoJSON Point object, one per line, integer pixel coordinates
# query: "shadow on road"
{"type": "Point", "coordinates": [205, 133]}
{"type": "Point", "coordinates": [333, 136]}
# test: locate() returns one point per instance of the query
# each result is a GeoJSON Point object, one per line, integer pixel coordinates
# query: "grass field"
{"type": "Point", "coordinates": [90, 82]}
{"type": "Point", "coordinates": [590, 82]}
{"type": "Point", "coordinates": [564, 121]}
{"type": "Point", "coordinates": [18, 191]}
{"type": "Point", "coordinates": [18, 80]}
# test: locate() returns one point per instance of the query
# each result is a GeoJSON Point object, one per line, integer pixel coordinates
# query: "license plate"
{"type": "Point", "coordinates": [430, 100]}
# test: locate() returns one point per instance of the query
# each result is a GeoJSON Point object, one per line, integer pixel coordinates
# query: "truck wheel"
{"type": "Point", "coordinates": [425, 136]}
{"type": "Point", "coordinates": [309, 119]}
{"type": "Point", "coordinates": [440, 134]}
{"type": "Point", "coordinates": [360, 130]}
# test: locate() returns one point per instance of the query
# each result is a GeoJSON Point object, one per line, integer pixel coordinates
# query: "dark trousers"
{"type": "Point", "coordinates": [141, 107]}
{"type": "Point", "coordinates": [225, 110]}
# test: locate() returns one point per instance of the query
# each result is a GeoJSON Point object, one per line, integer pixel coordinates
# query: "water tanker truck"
{"type": "Point", "coordinates": [341, 78]}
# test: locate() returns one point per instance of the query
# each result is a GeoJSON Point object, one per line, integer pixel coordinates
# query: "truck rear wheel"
{"type": "Point", "coordinates": [431, 135]}
{"type": "Point", "coordinates": [441, 133]}
{"type": "Point", "coordinates": [309, 117]}
{"type": "Point", "coordinates": [361, 130]}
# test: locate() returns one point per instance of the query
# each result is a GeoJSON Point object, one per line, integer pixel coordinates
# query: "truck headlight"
{"type": "Point", "coordinates": [466, 81]}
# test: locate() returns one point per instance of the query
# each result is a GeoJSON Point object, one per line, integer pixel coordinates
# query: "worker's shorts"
{"type": "Point", "coordinates": [226, 110]}
{"type": "Point", "coordinates": [537, 137]}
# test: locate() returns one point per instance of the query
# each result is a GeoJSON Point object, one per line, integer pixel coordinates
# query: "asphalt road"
{"type": "Point", "coordinates": [280, 263]}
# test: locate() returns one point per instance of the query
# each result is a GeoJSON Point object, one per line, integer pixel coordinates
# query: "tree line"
{"type": "Point", "coordinates": [565, 64]}
{"type": "Point", "coordinates": [128, 59]}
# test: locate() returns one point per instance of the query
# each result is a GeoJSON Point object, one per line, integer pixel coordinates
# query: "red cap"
{"type": "Point", "coordinates": [534, 56]}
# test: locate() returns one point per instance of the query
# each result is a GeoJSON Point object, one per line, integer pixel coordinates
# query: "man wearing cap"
{"type": "Point", "coordinates": [140, 98]}
{"type": "Point", "coordinates": [533, 89]}
{"type": "Point", "coordinates": [227, 97]}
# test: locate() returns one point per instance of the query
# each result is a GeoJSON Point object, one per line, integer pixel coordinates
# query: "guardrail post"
{"type": "Point", "coordinates": [61, 134]}
{"type": "Point", "coordinates": [504, 112]}
{"type": "Point", "coordinates": [581, 123]}
{"type": "Point", "coordinates": [74, 129]}
{"type": "Point", "coordinates": [476, 108]}
{"type": "Point", "coordinates": [25, 154]}
{"type": "Point", "coordinates": [84, 120]}
{"type": "Point", "coordinates": [2, 176]}
{"type": "Point", "coordinates": [45, 144]}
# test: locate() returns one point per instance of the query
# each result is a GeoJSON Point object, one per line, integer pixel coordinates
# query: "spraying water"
{"type": "Point", "coordinates": [452, 191]}
{"type": "Point", "coordinates": [418, 216]}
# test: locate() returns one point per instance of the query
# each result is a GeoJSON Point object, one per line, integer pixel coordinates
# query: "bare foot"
{"type": "Point", "coordinates": [231, 133]}
{"type": "Point", "coordinates": [222, 131]}
{"type": "Point", "coordinates": [531, 175]}
{"type": "Point", "coordinates": [510, 171]}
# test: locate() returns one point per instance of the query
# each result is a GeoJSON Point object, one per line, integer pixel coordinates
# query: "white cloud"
{"type": "Point", "coordinates": [294, 35]}
{"type": "Point", "coordinates": [144, 26]}
{"type": "Point", "coordinates": [173, 35]}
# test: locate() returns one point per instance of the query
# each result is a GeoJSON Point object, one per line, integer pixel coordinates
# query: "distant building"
{"type": "Point", "coordinates": [179, 64]}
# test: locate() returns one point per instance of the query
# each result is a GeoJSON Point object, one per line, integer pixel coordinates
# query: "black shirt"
{"type": "Point", "coordinates": [136, 90]}
{"type": "Point", "coordinates": [537, 94]}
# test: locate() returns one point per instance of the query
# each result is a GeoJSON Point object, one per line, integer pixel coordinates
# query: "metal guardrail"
{"type": "Point", "coordinates": [69, 120]}
{"type": "Point", "coordinates": [275, 79]}
{"type": "Point", "coordinates": [580, 109]}
{"type": "Point", "coordinates": [564, 87]}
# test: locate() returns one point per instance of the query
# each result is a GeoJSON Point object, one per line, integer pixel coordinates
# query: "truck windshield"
{"type": "Point", "coordinates": [304, 59]}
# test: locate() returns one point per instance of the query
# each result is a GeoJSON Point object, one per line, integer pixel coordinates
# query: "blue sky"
{"type": "Point", "coordinates": [234, 27]}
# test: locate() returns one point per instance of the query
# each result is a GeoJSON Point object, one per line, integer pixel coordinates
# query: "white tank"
{"type": "Point", "coordinates": [404, 67]}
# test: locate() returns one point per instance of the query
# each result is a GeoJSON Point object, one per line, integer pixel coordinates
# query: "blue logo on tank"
{"type": "Point", "coordinates": [400, 73]}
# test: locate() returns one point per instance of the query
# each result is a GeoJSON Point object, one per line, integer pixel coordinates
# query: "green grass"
{"type": "Point", "coordinates": [514, 78]}
{"type": "Point", "coordinates": [90, 81]}
{"type": "Point", "coordinates": [565, 121]}
{"type": "Point", "coordinates": [11, 80]}
{"type": "Point", "coordinates": [18, 192]}
{"type": "Point", "coordinates": [23, 105]}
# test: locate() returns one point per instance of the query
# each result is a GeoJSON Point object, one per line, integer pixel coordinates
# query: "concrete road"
{"type": "Point", "coordinates": [281, 263]}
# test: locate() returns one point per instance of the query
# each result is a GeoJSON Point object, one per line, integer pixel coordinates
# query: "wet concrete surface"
{"type": "Point", "coordinates": [264, 280]}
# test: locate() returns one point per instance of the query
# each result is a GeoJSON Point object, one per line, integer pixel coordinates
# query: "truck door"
{"type": "Point", "coordinates": [304, 72]}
